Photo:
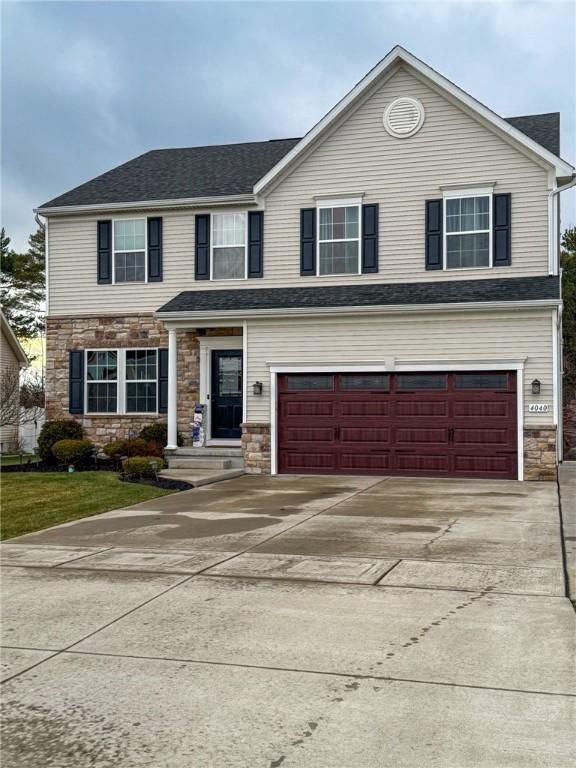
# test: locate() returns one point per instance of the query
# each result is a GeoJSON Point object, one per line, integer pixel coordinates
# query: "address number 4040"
{"type": "Point", "coordinates": [538, 408]}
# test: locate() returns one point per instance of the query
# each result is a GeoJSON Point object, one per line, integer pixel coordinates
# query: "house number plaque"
{"type": "Point", "coordinates": [538, 408]}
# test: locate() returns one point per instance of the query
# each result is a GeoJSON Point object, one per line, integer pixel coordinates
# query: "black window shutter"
{"type": "Point", "coordinates": [202, 254]}
{"type": "Point", "coordinates": [434, 234]}
{"type": "Point", "coordinates": [308, 241]}
{"type": "Point", "coordinates": [76, 381]}
{"type": "Point", "coordinates": [370, 238]}
{"type": "Point", "coordinates": [256, 244]}
{"type": "Point", "coordinates": [502, 244]}
{"type": "Point", "coordinates": [163, 380]}
{"type": "Point", "coordinates": [155, 250]}
{"type": "Point", "coordinates": [104, 252]}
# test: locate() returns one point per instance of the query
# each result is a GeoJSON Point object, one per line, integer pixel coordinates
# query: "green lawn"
{"type": "Point", "coordinates": [35, 500]}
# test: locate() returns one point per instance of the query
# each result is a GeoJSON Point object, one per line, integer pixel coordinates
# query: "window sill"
{"type": "Point", "coordinates": [140, 414]}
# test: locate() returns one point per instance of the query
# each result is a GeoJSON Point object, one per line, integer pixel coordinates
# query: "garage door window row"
{"type": "Point", "coordinates": [381, 382]}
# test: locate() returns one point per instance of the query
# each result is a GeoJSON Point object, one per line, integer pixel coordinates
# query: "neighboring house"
{"type": "Point", "coordinates": [12, 359]}
{"type": "Point", "coordinates": [381, 296]}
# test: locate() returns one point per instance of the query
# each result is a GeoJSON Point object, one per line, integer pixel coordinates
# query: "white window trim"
{"type": "Point", "coordinates": [121, 382]}
{"type": "Point", "coordinates": [207, 345]}
{"type": "Point", "coordinates": [212, 247]}
{"type": "Point", "coordinates": [448, 366]}
{"type": "Point", "coordinates": [342, 202]}
{"type": "Point", "coordinates": [130, 218]}
{"type": "Point", "coordinates": [456, 194]}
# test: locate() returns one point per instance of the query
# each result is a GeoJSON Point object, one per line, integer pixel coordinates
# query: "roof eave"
{"type": "Point", "coordinates": [184, 202]}
{"type": "Point", "coordinates": [12, 340]}
{"type": "Point", "coordinates": [247, 314]}
{"type": "Point", "coordinates": [399, 54]}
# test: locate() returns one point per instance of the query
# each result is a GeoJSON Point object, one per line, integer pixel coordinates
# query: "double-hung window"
{"type": "Point", "coordinates": [229, 246]}
{"type": "Point", "coordinates": [467, 230]}
{"type": "Point", "coordinates": [339, 239]}
{"type": "Point", "coordinates": [141, 380]}
{"type": "Point", "coordinates": [129, 250]}
{"type": "Point", "coordinates": [122, 381]}
{"type": "Point", "coordinates": [102, 381]}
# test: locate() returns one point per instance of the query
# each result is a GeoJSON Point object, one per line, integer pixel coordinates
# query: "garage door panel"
{"type": "Point", "coordinates": [292, 408]}
{"type": "Point", "coordinates": [422, 409]}
{"type": "Point", "coordinates": [365, 462]}
{"type": "Point", "coordinates": [365, 408]}
{"type": "Point", "coordinates": [494, 465]}
{"type": "Point", "coordinates": [484, 438]}
{"type": "Point", "coordinates": [469, 409]}
{"type": "Point", "coordinates": [308, 461]}
{"type": "Point", "coordinates": [411, 436]}
{"type": "Point", "coordinates": [447, 425]}
{"type": "Point", "coordinates": [422, 463]}
{"type": "Point", "coordinates": [380, 435]}
{"type": "Point", "coordinates": [309, 434]}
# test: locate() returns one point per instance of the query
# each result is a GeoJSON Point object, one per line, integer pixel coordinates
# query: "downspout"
{"type": "Point", "coordinates": [556, 269]}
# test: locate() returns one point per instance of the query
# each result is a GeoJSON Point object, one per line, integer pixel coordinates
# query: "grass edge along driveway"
{"type": "Point", "coordinates": [35, 500]}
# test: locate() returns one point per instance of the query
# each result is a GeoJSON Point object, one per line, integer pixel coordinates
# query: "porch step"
{"type": "Point", "coordinates": [219, 452]}
{"type": "Point", "coordinates": [200, 462]}
{"type": "Point", "coordinates": [197, 478]}
{"type": "Point", "coordinates": [215, 457]}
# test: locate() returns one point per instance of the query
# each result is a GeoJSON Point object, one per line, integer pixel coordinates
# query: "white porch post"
{"type": "Point", "coordinates": [172, 390]}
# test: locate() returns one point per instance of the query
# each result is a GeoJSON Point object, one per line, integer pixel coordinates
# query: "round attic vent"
{"type": "Point", "coordinates": [403, 117]}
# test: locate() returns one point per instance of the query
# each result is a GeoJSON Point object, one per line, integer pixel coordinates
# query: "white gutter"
{"type": "Point", "coordinates": [553, 245]}
{"type": "Point", "coordinates": [185, 202]}
{"type": "Point", "coordinates": [279, 312]}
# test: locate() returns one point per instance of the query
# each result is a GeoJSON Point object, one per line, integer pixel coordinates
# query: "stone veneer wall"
{"type": "Point", "coordinates": [133, 331]}
{"type": "Point", "coordinates": [256, 448]}
{"type": "Point", "coordinates": [540, 453]}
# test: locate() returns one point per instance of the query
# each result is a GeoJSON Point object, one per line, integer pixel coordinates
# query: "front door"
{"type": "Point", "coordinates": [226, 394]}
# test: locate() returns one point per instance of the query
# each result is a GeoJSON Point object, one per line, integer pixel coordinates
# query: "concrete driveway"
{"type": "Point", "coordinates": [325, 622]}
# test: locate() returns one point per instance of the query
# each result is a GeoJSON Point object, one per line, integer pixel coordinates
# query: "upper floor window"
{"type": "Point", "coordinates": [339, 239]}
{"type": "Point", "coordinates": [229, 248]}
{"type": "Point", "coordinates": [467, 231]}
{"type": "Point", "coordinates": [129, 250]}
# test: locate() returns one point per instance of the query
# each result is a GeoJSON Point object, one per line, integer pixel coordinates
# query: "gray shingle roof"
{"type": "Point", "coordinates": [173, 174]}
{"type": "Point", "coordinates": [375, 294]}
{"type": "Point", "coordinates": [227, 169]}
{"type": "Point", "coordinates": [545, 129]}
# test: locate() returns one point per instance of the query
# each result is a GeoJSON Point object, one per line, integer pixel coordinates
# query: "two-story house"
{"type": "Point", "coordinates": [381, 296]}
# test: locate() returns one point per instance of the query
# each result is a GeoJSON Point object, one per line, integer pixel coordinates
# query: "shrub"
{"type": "Point", "coordinates": [134, 447]}
{"type": "Point", "coordinates": [53, 431]}
{"type": "Point", "coordinates": [73, 451]}
{"type": "Point", "coordinates": [141, 467]}
{"type": "Point", "coordinates": [158, 433]}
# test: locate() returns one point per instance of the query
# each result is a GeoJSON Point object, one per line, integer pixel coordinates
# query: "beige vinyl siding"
{"type": "Point", "coordinates": [359, 156]}
{"type": "Point", "coordinates": [8, 360]}
{"type": "Point", "coordinates": [409, 338]}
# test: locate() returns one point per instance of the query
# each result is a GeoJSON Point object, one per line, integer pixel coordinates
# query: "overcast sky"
{"type": "Point", "coordinates": [88, 85]}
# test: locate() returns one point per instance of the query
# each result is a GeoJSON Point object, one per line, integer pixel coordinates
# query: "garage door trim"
{"type": "Point", "coordinates": [448, 366]}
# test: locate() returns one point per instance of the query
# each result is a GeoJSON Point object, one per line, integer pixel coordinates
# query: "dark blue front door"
{"type": "Point", "coordinates": [226, 395]}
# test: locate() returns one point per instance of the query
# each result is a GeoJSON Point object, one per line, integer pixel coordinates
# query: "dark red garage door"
{"type": "Point", "coordinates": [431, 424]}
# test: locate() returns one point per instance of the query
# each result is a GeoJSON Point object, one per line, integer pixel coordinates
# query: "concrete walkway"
{"type": "Point", "coordinates": [331, 622]}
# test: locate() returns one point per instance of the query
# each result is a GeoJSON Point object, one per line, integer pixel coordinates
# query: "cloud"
{"type": "Point", "coordinates": [87, 86]}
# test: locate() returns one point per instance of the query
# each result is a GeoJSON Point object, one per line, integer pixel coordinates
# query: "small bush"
{"type": "Point", "coordinates": [73, 451]}
{"type": "Point", "coordinates": [52, 432]}
{"type": "Point", "coordinates": [134, 447]}
{"type": "Point", "coordinates": [158, 433]}
{"type": "Point", "coordinates": [141, 467]}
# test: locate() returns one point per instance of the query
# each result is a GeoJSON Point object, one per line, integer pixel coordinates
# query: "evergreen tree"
{"type": "Point", "coordinates": [22, 284]}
